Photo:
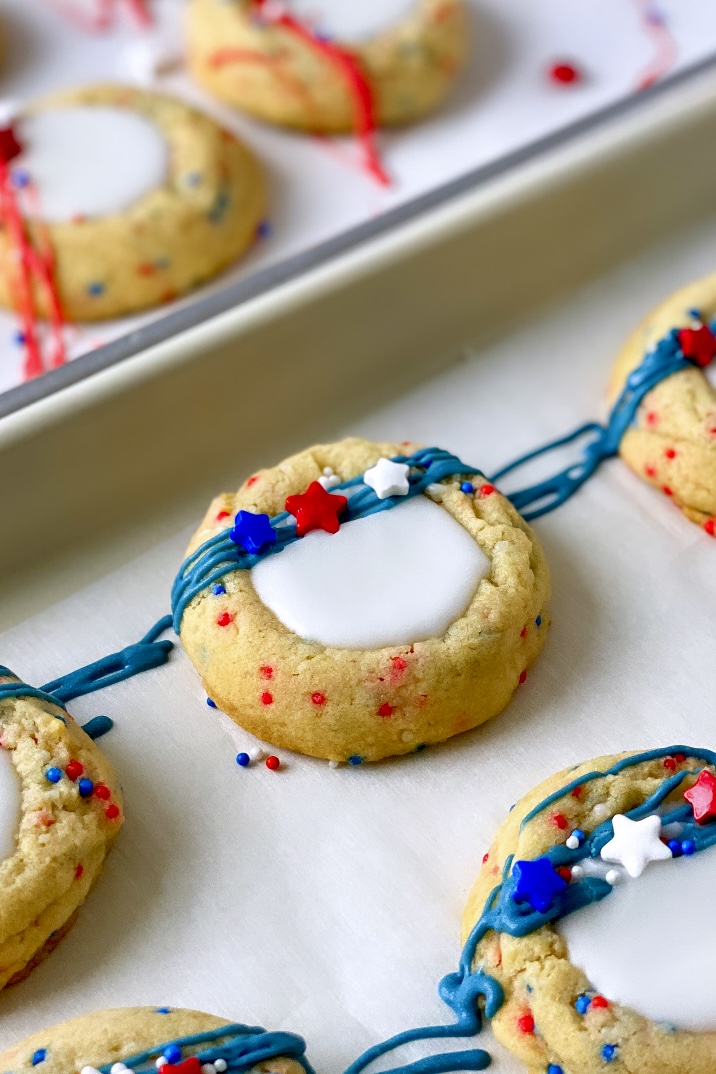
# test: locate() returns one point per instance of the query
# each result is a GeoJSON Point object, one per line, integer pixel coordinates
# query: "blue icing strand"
{"type": "Point", "coordinates": [241, 1047]}
{"type": "Point", "coordinates": [220, 555]}
{"type": "Point", "coordinates": [147, 653]}
{"type": "Point", "coordinates": [664, 360]}
{"type": "Point", "coordinates": [503, 913]}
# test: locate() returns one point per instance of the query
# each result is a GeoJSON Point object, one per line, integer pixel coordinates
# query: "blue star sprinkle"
{"type": "Point", "coordinates": [252, 532]}
{"type": "Point", "coordinates": [537, 883]}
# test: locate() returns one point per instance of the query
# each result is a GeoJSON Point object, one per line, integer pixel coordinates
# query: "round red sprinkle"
{"type": "Point", "coordinates": [523, 632]}
{"type": "Point", "coordinates": [252, 481]}
{"type": "Point", "coordinates": [386, 709]}
{"type": "Point", "coordinates": [487, 490]}
{"type": "Point", "coordinates": [485, 857]}
{"type": "Point", "coordinates": [266, 698]}
{"type": "Point", "coordinates": [667, 491]}
{"type": "Point", "coordinates": [577, 791]}
{"type": "Point", "coordinates": [526, 1024]}
{"type": "Point", "coordinates": [652, 418]}
{"type": "Point", "coordinates": [111, 812]}
{"type": "Point", "coordinates": [318, 698]}
{"type": "Point", "coordinates": [222, 515]}
{"type": "Point", "coordinates": [74, 770]}
{"type": "Point", "coordinates": [79, 871]}
{"type": "Point", "coordinates": [710, 526]}
{"type": "Point", "coordinates": [565, 873]}
{"type": "Point", "coordinates": [559, 821]}
{"type": "Point", "coordinates": [565, 73]}
{"type": "Point", "coordinates": [679, 758]}
{"type": "Point", "coordinates": [650, 470]}
{"type": "Point", "coordinates": [267, 671]}
{"type": "Point", "coordinates": [670, 453]}
{"type": "Point", "coordinates": [670, 764]}
{"type": "Point", "coordinates": [523, 676]}
{"type": "Point", "coordinates": [599, 1003]}
{"type": "Point", "coordinates": [273, 763]}
{"type": "Point", "coordinates": [224, 619]}
{"type": "Point", "coordinates": [102, 791]}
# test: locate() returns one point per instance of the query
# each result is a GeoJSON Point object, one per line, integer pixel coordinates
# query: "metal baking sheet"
{"type": "Point", "coordinates": [503, 111]}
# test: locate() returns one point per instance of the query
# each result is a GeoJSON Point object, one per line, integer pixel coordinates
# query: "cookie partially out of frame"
{"type": "Point", "coordinates": [591, 925]}
{"type": "Point", "coordinates": [672, 444]}
{"type": "Point", "coordinates": [181, 201]}
{"type": "Point", "coordinates": [60, 812]}
{"type": "Point", "coordinates": [414, 620]}
{"type": "Point", "coordinates": [261, 67]}
{"type": "Point", "coordinates": [134, 1038]}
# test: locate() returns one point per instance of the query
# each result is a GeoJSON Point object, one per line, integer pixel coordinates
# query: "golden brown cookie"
{"type": "Point", "coordinates": [672, 443]}
{"type": "Point", "coordinates": [394, 600]}
{"type": "Point", "coordinates": [60, 812]}
{"type": "Point", "coordinates": [408, 55]}
{"type": "Point", "coordinates": [590, 923]}
{"type": "Point", "coordinates": [134, 1038]}
{"type": "Point", "coordinates": [130, 199]}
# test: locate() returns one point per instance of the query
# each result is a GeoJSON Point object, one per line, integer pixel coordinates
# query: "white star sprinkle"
{"type": "Point", "coordinates": [388, 478]}
{"type": "Point", "coordinates": [635, 844]}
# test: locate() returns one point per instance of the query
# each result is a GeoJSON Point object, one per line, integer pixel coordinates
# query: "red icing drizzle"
{"type": "Point", "coordinates": [348, 67]}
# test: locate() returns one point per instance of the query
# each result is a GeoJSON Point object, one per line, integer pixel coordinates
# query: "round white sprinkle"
{"type": "Point", "coordinates": [327, 470]}
{"type": "Point", "coordinates": [89, 1070]}
{"type": "Point", "coordinates": [434, 489]}
{"type": "Point", "coordinates": [220, 1065]}
{"type": "Point", "coordinates": [407, 736]}
{"type": "Point", "coordinates": [329, 481]}
{"type": "Point", "coordinates": [333, 764]}
{"type": "Point", "coordinates": [612, 877]}
{"type": "Point", "coordinates": [256, 753]}
{"type": "Point", "coordinates": [600, 810]}
{"type": "Point", "coordinates": [118, 1068]}
{"type": "Point", "coordinates": [573, 842]}
{"type": "Point", "coordinates": [577, 872]}
{"type": "Point", "coordinates": [161, 1062]}
{"type": "Point", "coordinates": [208, 1068]}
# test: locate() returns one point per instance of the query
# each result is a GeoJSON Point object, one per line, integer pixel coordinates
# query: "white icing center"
{"type": "Point", "coordinates": [392, 578]}
{"type": "Point", "coordinates": [89, 160]}
{"type": "Point", "coordinates": [9, 805]}
{"type": "Point", "coordinates": [351, 20]}
{"type": "Point", "coordinates": [651, 944]}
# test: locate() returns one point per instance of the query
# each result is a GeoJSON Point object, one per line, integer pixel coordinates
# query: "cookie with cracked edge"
{"type": "Point", "coordinates": [597, 928]}
{"type": "Point", "coordinates": [403, 628]}
{"type": "Point", "coordinates": [672, 443]}
{"type": "Point", "coordinates": [268, 71]}
{"type": "Point", "coordinates": [61, 812]}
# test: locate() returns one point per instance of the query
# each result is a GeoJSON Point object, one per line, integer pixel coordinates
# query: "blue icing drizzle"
{"type": "Point", "coordinates": [664, 360]}
{"type": "Point", "coordinates": [219, 556]}
{"type": "Point", "coordinates": [148, 653]}
{"type": "Point", "coordinates": [502, 913]}
{"type": "Point", "coordinates": [241, 1047]}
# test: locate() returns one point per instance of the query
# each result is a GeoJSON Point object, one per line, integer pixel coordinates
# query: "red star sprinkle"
{"type": "Point", "coordinates": [702, 796]}
{"type": "Point", "coordinates": [698, 344]}
{"type": "Point", "coordinates": [316, 509]}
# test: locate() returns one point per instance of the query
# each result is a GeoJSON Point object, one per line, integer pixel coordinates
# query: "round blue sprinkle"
{"type": "Point", "coordinates": [264, 229]}
{"type": "Point", "coordinates": [688, 847]}
{"type": "Point", "coordinates": [695, 313]}
{"type": "Point", "coordinates": [39, 1056]}
{"type": "Point", "coordinates": [20, 178]}
{"type": "Point", "coordinates": [244, 760]}
{"type": "Point", "coordinates": [193, 179]}
{"type": "Point", "coordinates": [163, 1010]}
{"type": "Point", "coordinates": [609, 1052]}
{"type": "Point", "coordinates": [19, 338]}
{"type": "Point", "coordinates": [54, 775]}
{"type": "Point", "coordinates": [210, 703]}
{"type": "Point", "coordinates": [218, 590]}
{"type": "Point", "coordinates": [172, 1053]}
{"type": "Point", "coordinates": [579, 834]}
{"type": "Point", "coordinates": [85, 787]}
{"type": "Point", "coordinates": [467, 488]}
{"type": "Point", "coordinates": [582, 1004]}
{"type": "Point", "coordinates": [355, 760]}
{"type": "Point", "coordinates": [553, 1068]}
{"type": "Point", "coordinates": [675, 847]}
{"type": "Point", "coordinates": [95, 289]}
{"type": "Point", "coordinates": [421, 746]}
{"type": "Point", "coordinates": [538, 621]}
